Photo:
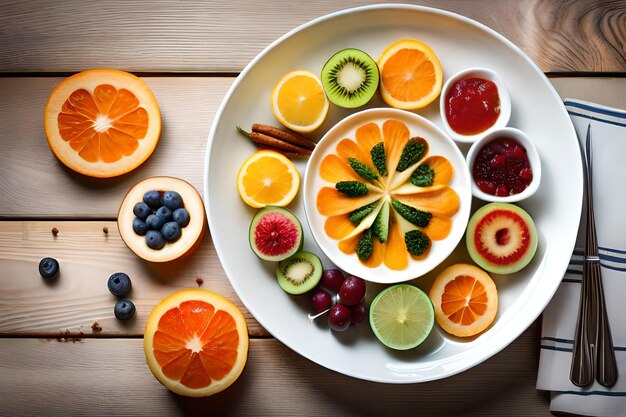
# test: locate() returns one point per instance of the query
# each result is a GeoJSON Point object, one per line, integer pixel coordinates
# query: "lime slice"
{"type": "Point", "coordinates": [402, 316]}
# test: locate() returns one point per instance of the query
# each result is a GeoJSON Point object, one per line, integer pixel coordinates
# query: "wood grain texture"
{"type": "Point", "coordinates": [28, 167]}
{"type": "Point", "coordinates": [165, 36]}
{"type": "Point", "coordinates": [95, 377]}
{"type": "Point", "coordinates": [70, 304]}
{"type": "Point", "coordinates": [31, 174]}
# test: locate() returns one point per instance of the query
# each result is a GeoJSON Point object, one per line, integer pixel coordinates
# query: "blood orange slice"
{"type": "Point", "coordinates": [102, 122]}
{"type": "Point", "coordinates": [196, 342]}
{"type": "Point", "coordinates": [465, 299]}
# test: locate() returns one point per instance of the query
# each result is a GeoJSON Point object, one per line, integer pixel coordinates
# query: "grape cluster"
{"type": "Point", "coordinates": [350, 308]}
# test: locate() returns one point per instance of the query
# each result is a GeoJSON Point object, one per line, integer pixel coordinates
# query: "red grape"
{"type": "Point", "coordinates": [352, 291]}
{"type": "Point", "coordinates": [359, 313]}
{"type": "Point", "coordinates": [339, 317]}
{"type": "Point", "coordinates": [332, 279]}
{"type": "Point", "coordinates": [320, 301]}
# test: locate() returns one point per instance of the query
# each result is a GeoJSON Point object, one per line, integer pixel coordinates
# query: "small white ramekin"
{"type": "Point", "coordinates": [503, 93]}
{"type": "Point", "coordinates": [533, 159]}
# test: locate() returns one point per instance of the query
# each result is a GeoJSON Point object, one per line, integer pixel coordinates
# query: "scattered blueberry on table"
{"type": "Point", "coordinates": [119, 284]}
{"type": "Point", "coordinates": [48, 268]}
{"type": "Point", "coordinates": [124, 309]}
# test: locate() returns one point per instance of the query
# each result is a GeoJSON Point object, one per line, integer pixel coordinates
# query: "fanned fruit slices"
{"type": "Point", "coordinates": [390, 198]}
{"type": "Point", "coordinates": [102, 122]}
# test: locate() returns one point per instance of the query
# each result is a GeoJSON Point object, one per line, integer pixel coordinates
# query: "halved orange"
{"type": "Point", "coordinates": [465, 300]}
{"type": "Point", "coordinates": [102, 122]}
{"type": "Point", "coordinates": [299, 101]}
{"type": "Point", "coordinates": [410, 74]}
{"type": "Point", "coordinates": [268, 178]}
{"type": "Point", "coordinates": [196, 342]}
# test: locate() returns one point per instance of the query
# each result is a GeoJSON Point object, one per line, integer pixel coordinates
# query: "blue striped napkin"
{"type": "Point", "coordinates": [608, 134]}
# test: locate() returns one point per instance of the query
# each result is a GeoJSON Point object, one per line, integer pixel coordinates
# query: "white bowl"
{"type": "Point", "coordinates": [533, 158]}
{"type": "Point", "coordinates": [503, 92]}
{"type": "Point", "coordinates": [439, 143]}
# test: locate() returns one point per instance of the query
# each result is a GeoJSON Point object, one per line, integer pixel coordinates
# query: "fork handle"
{"type": "Point", "coordinates": [581, 371]}
{"type": "Point", "coordinates": [606, 372]}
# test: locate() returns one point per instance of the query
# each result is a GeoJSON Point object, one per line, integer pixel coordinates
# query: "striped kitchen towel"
{"type": "Point", "coordinates": [608, 133]}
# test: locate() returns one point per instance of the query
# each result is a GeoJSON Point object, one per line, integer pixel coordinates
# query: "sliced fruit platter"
{"type": "Point", "coordinates": [337, 196]}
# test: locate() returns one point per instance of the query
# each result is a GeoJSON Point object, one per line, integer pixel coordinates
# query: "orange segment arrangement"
{"type": "Point", "coordinates": [388, 199]}
{"type": "Point", "coordinates": [465, 299]}
{"type": "Point", "coordinates": [102, 122]}
{"type": "Point", "coordinates": [268, 178]}
{"type": "Point", "coordinates": [196, 342]}
{"type": "Point", "coordinates": [410, 74]}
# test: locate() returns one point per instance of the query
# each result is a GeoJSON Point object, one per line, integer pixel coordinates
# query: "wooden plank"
{"type": "Point", "coordinates": [31, 174]}
{"type": "Point", "coordinates": [95, 377]}
{"type": "Point", "coordinates": [162, 36]}
{"type": "Point", "coordinates": [79, 296]}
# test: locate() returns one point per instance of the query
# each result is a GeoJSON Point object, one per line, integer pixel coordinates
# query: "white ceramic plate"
{"type": "Point", "coordinates": [439, 144]}
{"type": "Point", "coordinates": [459, 43]}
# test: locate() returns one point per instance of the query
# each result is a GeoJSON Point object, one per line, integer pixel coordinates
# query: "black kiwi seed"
{"type": "Point", "coordinates": [299, 273]}
{"type": "Point", "coordinates": [350, 78]}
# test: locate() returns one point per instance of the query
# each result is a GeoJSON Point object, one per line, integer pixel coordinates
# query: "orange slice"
{"type": "Point", "coordinates": [299, 102]}
{"type": "Point", "coordinates": [196, 342]}
{"type": "Point", "coordinates": [268, 178]}
{"type": "Point", "coordinates": [410, 74]}
{"type": "Point", "coordinates": [102, 122]}
{"type": "Point", "coordinates": [465, 300]}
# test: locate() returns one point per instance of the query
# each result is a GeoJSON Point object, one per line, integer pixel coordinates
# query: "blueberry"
{"type": "Point", "coordinates": [124, 309]}
{"type": "Point", "coordinates": [141, 210]}
{"type": "Point", "coordinates": [119, 284]}
{"type": "Point", "coordinates": [165, 213]}
{"type": "Point", "coordinates": [48, 267]}
{"type": "Point", "coordinates": [171, 231]}
{"type": "Point", "coordinates": [154, 239]}
{"type": "Point", "coordinates": [181, 216]}
{"type": "Point", "coordinates": [172, 200]}
{"type": "Point", "coordinates": [140, 227]}
{"type": "Point", "coordinates": [155, 222]}
{"type": "Point", "coordinates": [153, 199]}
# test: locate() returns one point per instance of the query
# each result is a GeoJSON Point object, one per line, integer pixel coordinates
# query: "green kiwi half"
{"type": "Point", "coordinates": [350, 78]}
{"type": "Point", "coordinates": [299, 273]}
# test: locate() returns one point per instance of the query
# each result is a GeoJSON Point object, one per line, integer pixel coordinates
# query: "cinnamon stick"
{"type": "Point", "coordinates": [266, 140]}
{"type": "Point", "coordinates": [284, 135]}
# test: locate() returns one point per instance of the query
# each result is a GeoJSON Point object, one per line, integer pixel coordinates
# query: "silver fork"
{"type": "Point", "coordinates": [593, 335]}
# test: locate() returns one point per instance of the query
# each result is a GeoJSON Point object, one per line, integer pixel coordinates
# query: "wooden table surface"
{"type": "Point", "coordinates": [189, 53]}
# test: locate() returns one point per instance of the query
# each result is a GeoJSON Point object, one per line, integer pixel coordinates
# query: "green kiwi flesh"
{"type": "Point", "coordinates": [299, 273]}
{"type": "Point", "coordinates": [350, 78]}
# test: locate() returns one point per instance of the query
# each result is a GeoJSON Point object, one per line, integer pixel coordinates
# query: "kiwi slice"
{"type": "Point", "coordinates": [299, 273]}
{"type": "Point", "coordinates": [350, 78]}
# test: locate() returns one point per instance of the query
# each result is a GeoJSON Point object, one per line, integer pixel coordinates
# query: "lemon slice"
{"type": "Point", "coordinates": [299, 102]}
{"type": "Point", "coordinates": [402, 316]}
